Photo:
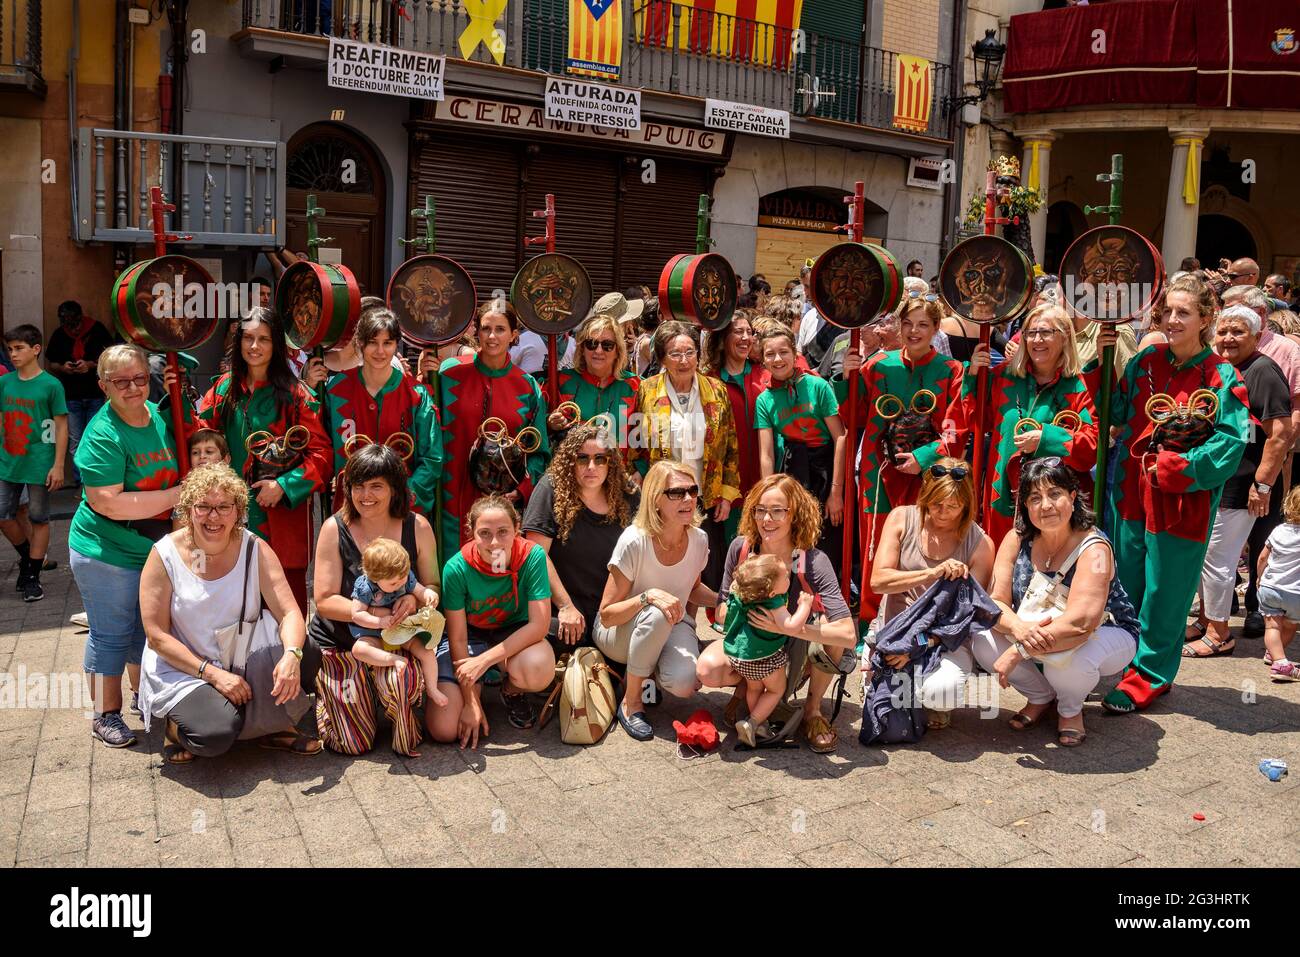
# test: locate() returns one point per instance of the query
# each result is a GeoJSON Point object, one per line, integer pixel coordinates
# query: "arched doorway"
{"type": "Point", "coordinates": [348, 181]}
{"type": "Point", "coordinates": [795, 225]}
{"type": "Point", "coordinates": [1221, 237]}
{"type": "Point", "coordinates": [1065, 224]}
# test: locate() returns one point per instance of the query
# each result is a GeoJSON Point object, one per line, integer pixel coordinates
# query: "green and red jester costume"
{"type": "Point", "coordinates": [1165, 503]}
{"type": "Point", "coordinates": [881, 486]}
{"type": "Point", "coordinates": [237, 414]}
{"type": "Point", "coordinates": [1020, 397]}
{"type": "Point", "coordinates": [471, 394]}
{"type": "Point", "coordinates": [616, 399]}
{"type": "Point", "coordinates": [400, 406]}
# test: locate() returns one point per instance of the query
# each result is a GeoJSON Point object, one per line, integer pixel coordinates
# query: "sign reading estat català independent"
{"type": "Point", "coordinates": [593, 104]}
{"type": "Point", "coordinates": [745, 118]}
{"type": "Point", "coordinates": [531, 119]}
{"type": "Point", "coordinates": [375, 69]}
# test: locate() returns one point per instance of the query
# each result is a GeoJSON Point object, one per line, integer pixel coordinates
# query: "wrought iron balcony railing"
{"type": "Point", "coordinates": [20, 46]}
{"type": "Point", "coordinates": [227, 192]}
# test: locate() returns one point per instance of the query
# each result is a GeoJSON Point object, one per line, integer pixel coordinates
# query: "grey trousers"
{"type": "Point", "coordinates": [648, 645]}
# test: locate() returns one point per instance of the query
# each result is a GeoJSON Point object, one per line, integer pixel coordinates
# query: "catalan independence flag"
{"type": "Point", "coordinates": [745, 31]}
{"type": "Point", "coordinates": [595, 38]}
{"type": "Point", "coordinates": [913, 92]}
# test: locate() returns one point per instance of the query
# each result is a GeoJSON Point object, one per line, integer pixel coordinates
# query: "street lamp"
{"type": "Point", "coordinates": [988, 54]}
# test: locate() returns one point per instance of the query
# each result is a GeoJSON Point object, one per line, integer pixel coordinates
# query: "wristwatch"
{"type": "Point", "coordinates": [296, 652]}
{"type": "Point", "coordinates": [1263, 489]}
{"type": "Point", "coordinates": [1021, 649]}
{"type": "Point", "coordinates": [645, 599]}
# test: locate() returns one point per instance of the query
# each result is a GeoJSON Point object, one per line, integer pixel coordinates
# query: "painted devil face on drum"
{"type": "Point", "coordinates": [551, 291]}
{"type": "Point", "coordinates": [849, 286]}
{"type": "Point", "coordinates": [710, 294]}
{"type": "Point", "coordinates": [171, 323]}
{"type": "Point", "coordinates": [1110, 266]}
{"type": "Point", "coordinates": [426, 295]}
{"type": "Point", "coordinates": [982, 284]}
{"type": "Point", "coordinates": [304, 304]}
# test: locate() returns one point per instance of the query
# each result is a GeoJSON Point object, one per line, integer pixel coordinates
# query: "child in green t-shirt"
{"type": "Point", "coordinates": [34, 422]}
{"type": "Point", "coordinates": [760, 581]}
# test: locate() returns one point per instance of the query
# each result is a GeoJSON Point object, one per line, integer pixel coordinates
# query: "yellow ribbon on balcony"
{"type": "Point", "coordinates": [482, 28]}
{"type": "Point", "coordinates": [1191, 170]}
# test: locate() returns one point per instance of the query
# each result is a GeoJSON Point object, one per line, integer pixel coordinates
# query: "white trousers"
{"type": "Point", "coordinates": [1107, 652]}
{"type": "Point", "coordinates": [1219, 577]}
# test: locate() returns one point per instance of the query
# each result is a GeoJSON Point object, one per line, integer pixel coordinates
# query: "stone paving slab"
{"type": "Point", "coordinates": [977, 794]}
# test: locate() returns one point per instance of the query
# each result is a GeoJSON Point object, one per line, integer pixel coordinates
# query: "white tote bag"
{"type": "Point", "coordinates": [1046, 597]}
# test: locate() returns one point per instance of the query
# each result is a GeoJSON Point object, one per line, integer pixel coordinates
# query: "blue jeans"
{"type": "Point", "coordinates": [1279, 604]}
{"type": "Point", "coordinates": [111, 596]}
{"type": "Point", "coordinates": [80, 412]}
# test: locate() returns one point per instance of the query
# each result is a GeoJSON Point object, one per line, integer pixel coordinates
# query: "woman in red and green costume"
{"type": "Point", "coordinates": [599, 383]}
{"type": "Point", "coordinates": [1165, 501]}
{"type": "Point", "coordinates": [261, 394]}
{"type": "Point", "coordinates": [1040, 382]}
{"type": "Point", "coordinates": [730, 356]}
{"type": "Point", "coordinates": [380, 402]}
{"type": "Point", "coordinates": [477, 388]}
{"type": "Point", "coordinates": [906, 374]}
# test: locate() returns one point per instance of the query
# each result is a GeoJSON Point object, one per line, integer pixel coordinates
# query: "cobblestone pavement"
{"type": "Point", "coordinates": [977, 793]}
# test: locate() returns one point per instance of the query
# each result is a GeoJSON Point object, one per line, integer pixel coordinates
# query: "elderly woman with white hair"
{"type": "Point", "coordinates": [1248, 494]}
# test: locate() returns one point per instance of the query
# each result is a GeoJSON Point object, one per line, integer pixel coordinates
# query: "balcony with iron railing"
{"type": "Point", "coordinates": [667, 46]}
{"type": "Point", "coordinates": [20, 46]}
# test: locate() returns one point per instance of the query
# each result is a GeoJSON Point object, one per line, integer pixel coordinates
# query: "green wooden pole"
{"type": "Point", "coordinates": [702, 241]}
{"type": "Point", "coordinates": [1114, 211]}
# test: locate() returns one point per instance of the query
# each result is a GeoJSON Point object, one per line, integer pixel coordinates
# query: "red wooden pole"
{"type": "Point", "coordinates": [553, 362]}
{"type": "Point", "coordinates": [982, 377]}
{"type": "Point", "coordinates": [851, 416]}
{"type": "Point", "coordinates": [160, 239]}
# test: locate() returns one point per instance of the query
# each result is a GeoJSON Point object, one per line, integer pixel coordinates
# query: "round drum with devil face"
{"type": "Point", "coordinates": [853, 283]}
{"type": "Point", "coordinates": [986, 278]}
{"type": "Point", "coordinates": [433, 298]}
{"type": "Point", "coordinates": [1111, 274]}
{"type": "Point", "coordinates": [165, 304]}
{"type": "Point", "coordinates": [698, 288]}
{"type": "Point", "coordinates": [552, 294]}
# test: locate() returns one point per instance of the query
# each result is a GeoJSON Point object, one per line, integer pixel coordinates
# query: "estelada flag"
{"type": "Point", "coordinates": [760, 32]}
{"type": "Point", "coordinates": [595, 38]}
{"type": "Point", "coordinates": [913, 92]}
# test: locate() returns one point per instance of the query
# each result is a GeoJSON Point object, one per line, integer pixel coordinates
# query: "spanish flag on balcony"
{"type": "Point", "coordinates": [913, 92]}
{"type": "Point", "coordinates": [595, 38]}
{"type": "Point", "coordinates": [756, 32]}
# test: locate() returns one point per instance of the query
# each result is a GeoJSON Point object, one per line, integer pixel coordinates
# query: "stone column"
{"type": "Point", "coordinates": [1180, 215]}
{"type": "Point", "coordinates": [1038, 221]}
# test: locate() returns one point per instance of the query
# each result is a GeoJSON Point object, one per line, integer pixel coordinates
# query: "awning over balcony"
{"type": "Point", "coordinates": [1207, 53]}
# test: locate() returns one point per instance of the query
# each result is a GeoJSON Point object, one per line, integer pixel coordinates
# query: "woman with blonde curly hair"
{"type": "Point", "coordinates": [781, 518]}
{"type": "Point", "coordinates": [208, 575]}
{"type": "Point", "coordinates": [576, 514]}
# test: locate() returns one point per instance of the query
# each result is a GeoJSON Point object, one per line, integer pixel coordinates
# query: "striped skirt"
{"type": "Point", "coordinates": [346, 706]}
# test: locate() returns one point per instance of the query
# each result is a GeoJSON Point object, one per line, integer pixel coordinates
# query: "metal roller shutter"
{"type": "Point", "coordinates": [658, 218]}
{"type": "Point", "coordinates": [585, 184]}
{"type": "Point", "coordinates": [475, 183]}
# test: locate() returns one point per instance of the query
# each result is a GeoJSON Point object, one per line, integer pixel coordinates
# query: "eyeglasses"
{"type": "Point", "coordinates": [203, 511]}
{"type": "Point", "coordinates": [775, 514]}
{"type": "Point", "coordinates": [677, 494]}
{"type": "Point", "coordinates": [121, 385]}
{"type": "Point", "coordinates": [600, 459]}
{"type": "Point", "coordinates": [683, 356]}
{"type": "Point", "coordinates": [605, 345]}
{"type": "Point", "coordinates": [1041, 334]}
{"type": "Point", "coordinates": [958, 472]}
{"type": "Point", "coordinates": [927, 296]}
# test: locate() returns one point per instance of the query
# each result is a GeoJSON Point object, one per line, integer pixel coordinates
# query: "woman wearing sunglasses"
{"type": "Point", "coordinates": [127, 460]}
{"type": "Point", "coordinates": [912, 394]}
{"type": "Point", "coordinates": [730, 355]}
{"type": "Point", "coordinates": [576, 514]}
{"type": "Point", "coordinates": [646, 618]}
{"type": "Point", "coordinates": [920, 544]}
{"type": "Point", "coordinates": [599, 382]}
{"type": "Point", "coordinates": [686, 418]}
{"type": "Point", "coordinates": [781, 518]}
{"type": "Point", "coordinates": [1028, 392]}
{"type": "Point", "coordinates": [261, 394]}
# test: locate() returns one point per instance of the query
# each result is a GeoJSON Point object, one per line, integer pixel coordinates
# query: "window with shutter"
{"type": "Point", "coordinates": [658, 218]}
{"type": "Point", "coordinates": [835, 56]}
{"type": "Point", "coordinates": [585, 184]}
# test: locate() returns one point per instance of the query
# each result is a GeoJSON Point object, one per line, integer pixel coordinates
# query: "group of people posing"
{"type": "Point", "coordinates": [495, 532]}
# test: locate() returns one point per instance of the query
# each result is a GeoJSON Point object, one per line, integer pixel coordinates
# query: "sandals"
{"type": "Point", "coordinates": [816, 726]}
{"type": "Point", "coordinates": [1070, 737]}
{"type": "Point", "coordinates": [1020, 721]}
{"type": "Point", "coordinates": [173, 751]}
{"type": "Point", "coordinates": [732, 711]}
{"type": "Point", "coordinates": [1193, 632]}
{"type": "Point", "coordinates": [1216, 648]}
{"type": "Point", "coordinates": [293, 742]}
{"type": "Point", "coordinates": [939, 720]}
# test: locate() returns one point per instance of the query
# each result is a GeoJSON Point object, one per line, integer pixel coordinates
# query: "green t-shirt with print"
{"type": "Point", "coordinates": [27, 409]}
{"type": "Point", "coordinates": [486, 599]}
{"type": "Point", "coordinates": [742, 640]}
{"type": "Point", "coordinates": [138, 459]}
{"type": "Point", "coordinates": [798, 411]}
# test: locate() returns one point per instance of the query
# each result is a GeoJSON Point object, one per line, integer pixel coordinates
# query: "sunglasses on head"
{"type": "Point", "coordinates": [958, 472]}
{"type": "Point", "coordinates": [927, 296]}
{"type": "Point", "coordinates": [677, 494]}
{"type": "Point", "coordinates": [605, 345]}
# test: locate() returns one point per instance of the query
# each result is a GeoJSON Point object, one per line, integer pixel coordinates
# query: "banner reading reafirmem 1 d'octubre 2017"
{"type": "Point", "coordinates": [370, 68]}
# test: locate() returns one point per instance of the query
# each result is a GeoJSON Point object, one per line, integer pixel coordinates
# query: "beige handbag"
{"type": "Point", "coordinates": [1046, 597]}
{"type": "Point", "coordinates": [586, 698]}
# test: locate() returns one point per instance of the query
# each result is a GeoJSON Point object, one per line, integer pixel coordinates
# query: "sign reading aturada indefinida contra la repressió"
{"type": "Point", "coordinates": [375, 69]}
{"type": "Point", "coordinates": [593, 104]}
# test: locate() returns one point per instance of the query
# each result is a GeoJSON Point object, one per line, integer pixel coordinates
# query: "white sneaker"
{"type": "Point", "coordinates": [80, 620]}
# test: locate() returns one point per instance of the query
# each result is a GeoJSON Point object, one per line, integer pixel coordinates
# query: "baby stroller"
{"type": "Point", "coordinates": [785, 720]}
